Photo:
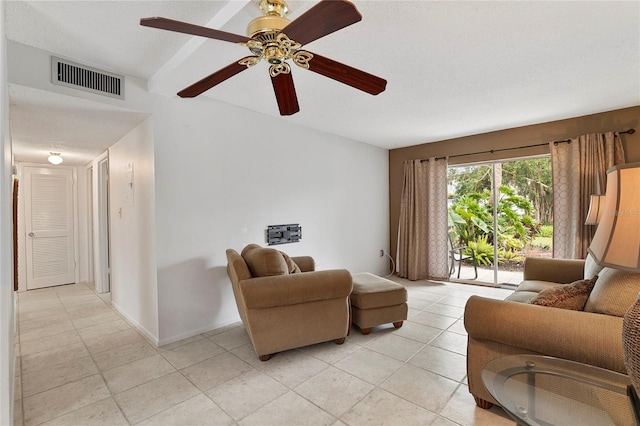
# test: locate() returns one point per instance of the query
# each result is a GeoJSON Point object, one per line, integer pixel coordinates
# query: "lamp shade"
{"type": "Point", "coordinates": [596, 207]}
{"type": "Point", "coordinates": [616, 242]}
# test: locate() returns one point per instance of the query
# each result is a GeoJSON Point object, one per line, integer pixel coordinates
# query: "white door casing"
{"type": "Point", "coordinates": [90, 236]}
{"type": "Point", "coordinates": [49, 226]}
{"type": "Point", "coordinates": [100, 183]}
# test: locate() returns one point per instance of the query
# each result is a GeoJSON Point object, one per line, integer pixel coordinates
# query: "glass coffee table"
{"type": "Point", "coordinates": [541, 390]}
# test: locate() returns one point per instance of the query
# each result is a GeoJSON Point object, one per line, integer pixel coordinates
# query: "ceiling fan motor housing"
{"type": "Point", "coordinates": [273, 20]}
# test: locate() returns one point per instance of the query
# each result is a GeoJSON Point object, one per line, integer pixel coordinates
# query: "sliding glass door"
{"type": "Point", "coordinates": [499, 213]}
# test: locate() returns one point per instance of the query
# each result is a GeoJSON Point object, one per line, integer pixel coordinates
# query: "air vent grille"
{"type": "Point", "coordinates": [81, 77]}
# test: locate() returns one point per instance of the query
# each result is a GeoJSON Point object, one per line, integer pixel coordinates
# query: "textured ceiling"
{"type": "Point", "coordinates": [453, 68]}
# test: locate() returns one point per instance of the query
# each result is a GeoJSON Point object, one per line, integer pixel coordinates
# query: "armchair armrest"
{"type": "Point", "coordinates": [560, 271]}
{"type": "Point", "coordinates": [586, 337]}
{"type": "Point", "coordinates": [283, 290]}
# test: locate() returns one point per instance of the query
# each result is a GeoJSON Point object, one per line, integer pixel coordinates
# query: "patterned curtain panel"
{"type": "Point", "coordinates": [422, 234]}
{"type": "Point", "coordinates": [579, 170]}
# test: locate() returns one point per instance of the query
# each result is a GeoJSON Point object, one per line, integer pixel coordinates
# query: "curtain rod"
{"type": "Point", "coordinates": [491, 151]}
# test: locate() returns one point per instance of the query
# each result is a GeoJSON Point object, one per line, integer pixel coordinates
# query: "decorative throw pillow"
{"type": "Point", "coordinates": [291, 265]}
{"type": "Point", "coordinates": [566, 296]}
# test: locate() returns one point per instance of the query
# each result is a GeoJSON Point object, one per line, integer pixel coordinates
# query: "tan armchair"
{"type": "Point", "coordinates": [286, 310]}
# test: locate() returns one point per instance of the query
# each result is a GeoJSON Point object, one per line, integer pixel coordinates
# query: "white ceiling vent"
{"type": "Point", "coordinates": [70, 74]}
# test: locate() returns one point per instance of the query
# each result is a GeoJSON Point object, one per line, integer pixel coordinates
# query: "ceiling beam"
{"type": "Point", "coordinates": [219, 20]}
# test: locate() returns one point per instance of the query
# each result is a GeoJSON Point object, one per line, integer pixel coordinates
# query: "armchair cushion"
{"type": "Point", "coordinates": [566, 296]}
{"type": "Point", "coordinates": [248, 248]}
{"type": "Point", "coordinates": [265, 262]}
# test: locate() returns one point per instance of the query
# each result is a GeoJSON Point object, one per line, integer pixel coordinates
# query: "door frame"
{"type": "Point", "coordinates": [101, 243]}
{"type": "Point", "coordinates": [494, 242]}
{"type": "Point", "coordinates": [90, 237]}
{"type": "Point", "coordinates": [22, 236]}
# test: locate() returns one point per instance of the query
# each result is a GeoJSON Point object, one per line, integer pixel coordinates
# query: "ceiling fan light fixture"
{"type": "Point", "coordinates": [274, 55]}
{"type": "Point", "coordinates": [55, 158]}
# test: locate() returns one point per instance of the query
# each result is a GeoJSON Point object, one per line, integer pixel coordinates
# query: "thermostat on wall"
{"type": "Point", "coordinates": [283, 234]}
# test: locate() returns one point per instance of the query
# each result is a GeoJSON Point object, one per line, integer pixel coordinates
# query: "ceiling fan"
{"type": "Point", "coordinates": [276, 39]}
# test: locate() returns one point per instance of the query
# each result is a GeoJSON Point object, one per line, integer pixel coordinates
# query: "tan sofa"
{"type": "Point", "coordinates": [283, 310]}
{"type": "Point", "coordinates": [498, 328]}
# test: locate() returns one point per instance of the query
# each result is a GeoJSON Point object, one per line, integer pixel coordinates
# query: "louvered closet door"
{"type": "Point", "coordinates": [49, 226]}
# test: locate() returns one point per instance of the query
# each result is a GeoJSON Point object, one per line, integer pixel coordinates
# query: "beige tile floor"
{"type": "Point", "coordinates": [80, 363]}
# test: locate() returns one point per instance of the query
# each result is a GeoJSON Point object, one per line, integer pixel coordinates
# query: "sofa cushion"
{"type": "Point", "coordinates": [265, 262]}
{"type": "Point", "coordinates": [536, 286]}
{"type": "Point", "coordinates": [528, 289]}
{"type": "Point", "coordinates": [566, 296]}
{"type": "Point", "coordinates": [614, 292]}
{"type": "Point", "coordinates": [521, 296]}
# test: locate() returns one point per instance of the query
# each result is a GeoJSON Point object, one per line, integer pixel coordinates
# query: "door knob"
{"type": "Point", "coordinates": [31, 234]}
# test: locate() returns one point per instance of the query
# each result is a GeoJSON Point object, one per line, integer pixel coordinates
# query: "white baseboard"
{"type": "Point", "coordinates": [146, 333]}
{"type": "Point", "coordinates": [168, 340]}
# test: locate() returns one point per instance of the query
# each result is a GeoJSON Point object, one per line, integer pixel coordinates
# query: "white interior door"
{"type": "Point", "coordinates": [49, 226]}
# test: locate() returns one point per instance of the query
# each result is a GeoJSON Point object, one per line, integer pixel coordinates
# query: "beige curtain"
{"type": "Point", "coordinates": [579, 170]}
{"type": "Point", "coordinates": [422, 232]}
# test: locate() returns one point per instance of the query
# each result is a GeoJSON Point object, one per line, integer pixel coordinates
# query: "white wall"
{"type": "Point", "coordinates": [134, 290]}
{"type": "Point", "coordinates": [224, 174]}
{"type": "Point", "coordinates": [7, 325]}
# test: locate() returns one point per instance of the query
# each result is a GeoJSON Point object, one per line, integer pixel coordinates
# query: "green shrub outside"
{"type": "Point", "coordinates": [546, 231]}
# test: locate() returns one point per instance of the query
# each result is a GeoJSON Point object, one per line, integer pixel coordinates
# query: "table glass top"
{"type": "Point", "coordinates": [541, 390]}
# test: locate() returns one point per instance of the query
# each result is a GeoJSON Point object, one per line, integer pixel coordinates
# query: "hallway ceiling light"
{"type": "Point", "coordinates": [55, 158]}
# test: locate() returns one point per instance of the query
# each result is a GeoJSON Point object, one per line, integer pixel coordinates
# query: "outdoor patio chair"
{"type": "Point", "coordinates": [458, 255]}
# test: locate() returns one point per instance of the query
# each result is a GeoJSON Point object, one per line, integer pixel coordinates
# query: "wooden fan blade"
{"type": "Point", "coordinates": [212, 80]}
{"type": "Point", "coordinates": [348, 75]}
{"type": "Point", "coordinates": [285, 94]}
{"type": "Point", "coordinates": [186, 28]}
{"type": "Point", "coordinates": [322, 19]}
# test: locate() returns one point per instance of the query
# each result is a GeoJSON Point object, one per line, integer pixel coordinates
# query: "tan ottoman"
{"type": "Point", "coordinates": [376, 300]}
